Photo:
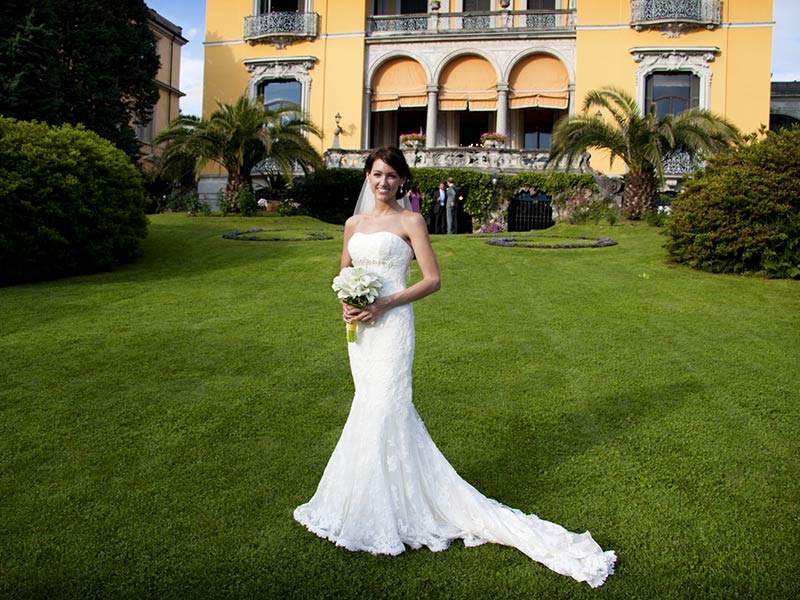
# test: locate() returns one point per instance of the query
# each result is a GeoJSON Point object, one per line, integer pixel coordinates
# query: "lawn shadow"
{"type": "Point", "coordinates": [540, 443]}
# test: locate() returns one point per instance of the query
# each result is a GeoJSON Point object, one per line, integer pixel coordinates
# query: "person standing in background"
{"type": "Point", "coordinates": [440, 209]}
{"type": "Point", "coordinates": [414, 197]}
{"type": "Point", "coordinates": [452, 206]}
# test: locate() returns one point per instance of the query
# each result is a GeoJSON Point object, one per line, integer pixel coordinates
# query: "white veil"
{"type": "Point", "coordinates": [366, 200]}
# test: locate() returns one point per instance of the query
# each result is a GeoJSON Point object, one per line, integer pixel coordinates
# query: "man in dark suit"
{"type": "Point", "coordinates": [440, 209]}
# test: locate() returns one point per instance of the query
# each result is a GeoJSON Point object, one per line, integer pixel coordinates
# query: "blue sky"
{"type": "Point", "coordinates": [190, 15]}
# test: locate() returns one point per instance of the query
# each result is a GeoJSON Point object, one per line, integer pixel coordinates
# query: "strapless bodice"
{"type": "Point", "coordinates": [384, 253]}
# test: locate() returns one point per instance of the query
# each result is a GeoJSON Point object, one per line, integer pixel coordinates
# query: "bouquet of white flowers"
{"type": "Point", "coordinates": [356, 287]}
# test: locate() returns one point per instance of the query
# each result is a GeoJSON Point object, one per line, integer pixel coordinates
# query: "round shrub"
{"type": "Point", "coordinates": [70, 202]}
{"type": "Point", "coordinates": [742, 213]}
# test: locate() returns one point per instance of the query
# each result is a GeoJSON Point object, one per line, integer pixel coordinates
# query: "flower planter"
{"type": "Point", "coordinates": [493, 140]}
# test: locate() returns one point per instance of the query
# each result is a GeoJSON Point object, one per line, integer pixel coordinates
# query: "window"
{"type": "Point", "coordinates": [413, 7]}
{"type": "Point", "coordinates": [280, 92]}
{"type": "Point", "coordinates": [538, 124]}
{"type": "Point", "coordinates": [477, 21]}
{"type": "Point", "coordinates": [380, 7]}
{"type": "Point", "coordinates": [270, 6]}
{"type": "Point", "coordinates": [541, 4]}
{"type": "Point", "coordinates": [672, 92]}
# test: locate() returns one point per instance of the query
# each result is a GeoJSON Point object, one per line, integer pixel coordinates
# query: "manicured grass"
{"type": "Point", "coordinates": [159, 424]}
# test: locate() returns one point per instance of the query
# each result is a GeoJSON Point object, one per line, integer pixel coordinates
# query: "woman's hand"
{"type": "Point", "coordinates": [368, 314]}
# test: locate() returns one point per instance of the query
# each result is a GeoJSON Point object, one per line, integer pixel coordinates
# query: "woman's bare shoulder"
{"type": "Point", "coordinates": [353, 222]}
{"type": "Point", "coordinates": [411, 219]}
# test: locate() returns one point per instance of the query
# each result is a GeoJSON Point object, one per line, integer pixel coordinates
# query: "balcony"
{"type": "Point", "coordinates": [488, 160]}
{"type": "Point", "coordinates": [280, 28]}
{"type": "Point", "coordinates": [674, 17]}
{"type": "Point", "coordinates": [481, 25]}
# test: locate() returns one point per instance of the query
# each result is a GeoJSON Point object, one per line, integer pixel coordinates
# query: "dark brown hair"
{"type": "Point", "coordinates": [393, 157]}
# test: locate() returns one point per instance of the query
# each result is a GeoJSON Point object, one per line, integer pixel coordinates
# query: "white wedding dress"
{"type": "Point", "coordinates": [387, 485]}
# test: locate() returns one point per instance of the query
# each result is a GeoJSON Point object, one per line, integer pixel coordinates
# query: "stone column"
{"type": "Point", "coordinates": [366, 120]}
{"type": "Point", "coordinates": [502, 109]}
{"type": "Point", "coordinates": [432, 115]}
{"type": "Point", "coordinates": [571, 101]}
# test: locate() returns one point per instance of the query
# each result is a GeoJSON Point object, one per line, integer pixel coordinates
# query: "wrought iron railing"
{"type": "Point", "coordinates": [492, 22]}
{"type": "Point", "coordinates": [280, 25]}
{"type": "Point", "coordinates": [680, 162]}
{"type": "Point", "coordinates": [645, 13]}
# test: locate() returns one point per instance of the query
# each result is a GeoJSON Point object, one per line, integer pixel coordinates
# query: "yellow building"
{"type": "Point", "coordinates": [169, 40]}
{"type": "Point", "coordinates": [459, 68]}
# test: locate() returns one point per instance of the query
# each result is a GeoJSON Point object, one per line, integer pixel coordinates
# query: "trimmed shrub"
{"type": "Point", "coordinates": [70, 202]}
{"type": "Point", "coordinates": [742, 213]}
{"type": "Point", "coordinates": [329, 194]}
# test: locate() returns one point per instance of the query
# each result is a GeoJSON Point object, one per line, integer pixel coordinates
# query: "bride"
{"type": "Point", "coordinates": [387, 485]}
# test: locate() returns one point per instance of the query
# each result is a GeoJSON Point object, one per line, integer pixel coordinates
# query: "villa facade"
{"type": "Point", "coordinates": [169, 41]}
{"type": "Point", "coordinates": [368, 71]}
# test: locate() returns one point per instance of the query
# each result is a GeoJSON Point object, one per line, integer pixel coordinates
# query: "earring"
{"type": "Point", "coordinates": [400, 191]}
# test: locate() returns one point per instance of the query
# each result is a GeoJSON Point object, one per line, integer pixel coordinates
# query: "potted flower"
{"type": "Point", "coordinates": [412, 140]}
{"type": "Point", "coordinates": [493, 139]}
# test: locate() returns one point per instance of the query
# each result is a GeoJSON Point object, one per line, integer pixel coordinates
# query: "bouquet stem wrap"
{"type": "Point", "coordinates": [356, 287]}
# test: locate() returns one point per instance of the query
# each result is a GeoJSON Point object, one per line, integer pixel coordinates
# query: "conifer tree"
{"type": "Point", "coordinates": [83, 61]}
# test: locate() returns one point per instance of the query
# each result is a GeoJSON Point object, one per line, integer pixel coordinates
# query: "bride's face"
{"type": "Point", "coordinates": [384, 181]}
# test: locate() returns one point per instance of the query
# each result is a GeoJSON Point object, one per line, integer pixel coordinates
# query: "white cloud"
{"type": "Point", "coordinates": [785, 41]}
{"type": "Point", "coordinates": [191, 85]}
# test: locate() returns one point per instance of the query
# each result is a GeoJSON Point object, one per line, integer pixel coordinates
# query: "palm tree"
{"type": "Point", "coordinates": [640, 139]}
{"type": "Point", "coordinates": [241, 137]}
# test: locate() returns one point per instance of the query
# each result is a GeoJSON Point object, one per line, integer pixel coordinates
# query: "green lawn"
{"type": "Point", "coordinates": [159, 424]}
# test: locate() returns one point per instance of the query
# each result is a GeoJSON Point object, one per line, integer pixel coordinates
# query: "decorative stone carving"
{"type": "Point", "coordinates": [611, 187]}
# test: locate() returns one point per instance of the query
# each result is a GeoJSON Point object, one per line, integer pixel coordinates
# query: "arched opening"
{"type": "Point", "coordinates": [538, 96]}
{"type": "Point", "coordinates": [398, 101]}
{"type": "Point", "coordinates": [778, 121]}
{"type": "Point", "coordinates": [672, 92]}
{"type": "Point", "coordinates": [468, 96]}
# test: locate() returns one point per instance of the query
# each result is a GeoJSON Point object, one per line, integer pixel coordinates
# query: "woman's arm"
{"type": "Point", "coordinates": [349, 228]}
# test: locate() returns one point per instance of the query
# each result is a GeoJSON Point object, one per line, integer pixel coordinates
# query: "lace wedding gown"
{"type": "Point", "coordinates": [387, 485]}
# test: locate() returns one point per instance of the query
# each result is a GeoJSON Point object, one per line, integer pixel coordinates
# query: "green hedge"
{"type": "Point", "coordinates": [70, 202]}
{"type": "Point", "coordinates": [331, 194]}
{"type": "Point", "coordinates": [742, 213]}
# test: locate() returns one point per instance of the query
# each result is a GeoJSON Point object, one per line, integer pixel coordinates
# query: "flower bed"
{"type": "Point", "coordinates": [579, 241]}
{"type": "Point", "coordinates": [252, 235]}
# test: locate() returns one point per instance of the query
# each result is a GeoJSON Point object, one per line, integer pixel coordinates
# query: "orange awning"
{"type": "Point", "coordinates": [400, 82]}
{"type": "Point", "coordinates": [468, 83]}
{"type": "Point", "coordinates": [539, 82]}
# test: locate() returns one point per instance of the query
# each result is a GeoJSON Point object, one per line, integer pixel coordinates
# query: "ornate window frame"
{"type": "Point", "coordinates": [694, 59]}
{"type": "Point", "coordinates": [297, 67]}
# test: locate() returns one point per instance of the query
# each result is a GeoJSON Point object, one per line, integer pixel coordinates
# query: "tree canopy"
{"type": "Point", "coordinates": [241, 138]}
{"type": "Point", "coordinates": [91, 62]}
{"type": "Point", "coordinates": [640, 139]}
